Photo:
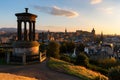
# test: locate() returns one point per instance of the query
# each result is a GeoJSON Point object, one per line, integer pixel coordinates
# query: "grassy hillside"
{"type": "Point", "coordinates": [81, 72]}
{"type": "Point", "coordinates": [7, 76]}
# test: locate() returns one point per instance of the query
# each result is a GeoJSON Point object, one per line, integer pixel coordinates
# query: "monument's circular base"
{"type": "Point", "coordinates": [25, 47]}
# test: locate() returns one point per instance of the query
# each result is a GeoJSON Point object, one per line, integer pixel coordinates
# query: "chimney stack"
{"type": "Point", "coordinates": [26, 10]}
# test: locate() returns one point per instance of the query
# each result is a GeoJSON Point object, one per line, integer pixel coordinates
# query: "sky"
{"type": "Point", "coordinates": [56, 15]}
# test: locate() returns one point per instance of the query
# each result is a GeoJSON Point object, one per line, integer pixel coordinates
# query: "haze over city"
{"type": "Point", "coordinates": [59, 40]}
{"type": "Point", "coordinates": [56, 15]}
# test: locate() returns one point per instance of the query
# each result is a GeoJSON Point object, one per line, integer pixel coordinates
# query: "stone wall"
{"type": "Point", "coordinates": [27, 51]}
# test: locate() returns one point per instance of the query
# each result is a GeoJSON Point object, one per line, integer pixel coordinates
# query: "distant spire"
{"type": "Point", "coordinates": [48, 30]}
{"type": "Point", "coordinates": [26, 10]}
{"type": "Point", "coordinates": [102, 33]}
{"type": "Point", "coordinates": [65, 30]}
{"type": "Point", "coordinates": [93, 31]}
{"type": "Point", "coordinates": [101, 36]}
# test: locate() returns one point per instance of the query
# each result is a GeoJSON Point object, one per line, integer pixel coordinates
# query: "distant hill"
{"type": "Point", "coordinates": [9, 30]}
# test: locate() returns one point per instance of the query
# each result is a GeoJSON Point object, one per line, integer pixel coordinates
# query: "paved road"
{"type": "Point", "coordinates": [39, 71]}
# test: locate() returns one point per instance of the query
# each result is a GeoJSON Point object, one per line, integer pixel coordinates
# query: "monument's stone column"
{"type": "Point", "coordinates": [19, 30]}
{"type": "Point", "coordinates": [33, 30]}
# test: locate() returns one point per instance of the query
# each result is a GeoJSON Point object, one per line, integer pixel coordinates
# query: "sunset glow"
{"type": "Point", "coordinates": [56, 15]}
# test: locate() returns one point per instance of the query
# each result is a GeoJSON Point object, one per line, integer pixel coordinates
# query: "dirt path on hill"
{"type": "Point", "coordinates": [39, 71]}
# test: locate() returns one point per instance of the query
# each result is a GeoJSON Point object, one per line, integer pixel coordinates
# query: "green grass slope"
{"type": "Point", "coordinates": [79, 71]}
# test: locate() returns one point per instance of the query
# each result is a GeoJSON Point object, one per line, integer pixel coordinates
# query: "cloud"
{"type": "Point", "coordinates": [57, 11]}
{"type": "Point", "coordinates": [96, 1]}
{"type": "Point", "coordinates": [108, 10]}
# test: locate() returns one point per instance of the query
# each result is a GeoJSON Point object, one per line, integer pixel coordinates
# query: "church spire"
{"type": "Point", "coordinates": [93, 31]}
{"type": "Point", "coordinates": [65, 30]}
{"type": "Point", "coordinates": [101, 37]}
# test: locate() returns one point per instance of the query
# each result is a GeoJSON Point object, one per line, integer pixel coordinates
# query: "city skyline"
{"type": "Point", "coordinates": [56, 15]}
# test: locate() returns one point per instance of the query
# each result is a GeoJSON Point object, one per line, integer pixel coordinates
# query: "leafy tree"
{"type": "Point", "coordinates": [82, 59]}
{"type": "Point", "coordinates": [53, 49]}
{"type": "Point", "coordinates": [80, 48]}
{"type": "Point", "coordinates": [114, 73]}
{"type": "Point", "coordinates": [67, 47]}
{"type": "Point", "coordinates": [42, 47]}
{"type": "Point", "coordinates": [105, 63]}
{"type": "Point", "coordinates": [70, 46]}
{"type": "Point", "coordinates": [63, 47]}
{"type": "Point", "coordinates": [65, 57]}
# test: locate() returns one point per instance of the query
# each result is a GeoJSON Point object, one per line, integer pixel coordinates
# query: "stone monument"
{"type": "Point", "coordinates": [26, 45]}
